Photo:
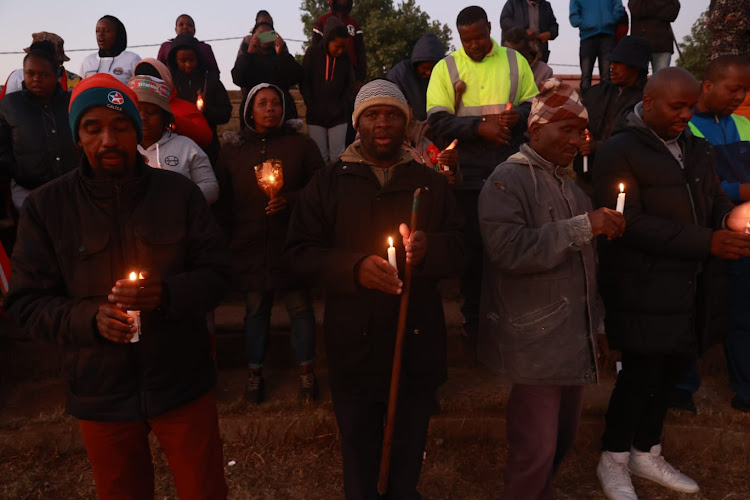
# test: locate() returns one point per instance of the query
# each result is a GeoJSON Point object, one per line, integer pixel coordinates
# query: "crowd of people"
{"type": "Point", "coordinates": [135, 218]}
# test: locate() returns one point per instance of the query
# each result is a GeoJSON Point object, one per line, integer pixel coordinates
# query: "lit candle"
{"type": "Point", "coordinates": [392, 253]}
{"type": "Point", "coordinates": [621, 199]}
{"type": "Point", "coordinates": [136, 315]}
{"type": "Point", "coordinates": [508, 106]}
{"type": "Point", "coordinates": [199, 102]}
{"type": "Point", "coordinates": [586, 157]}
{"type": "Point", "coordinates": [747, 227]}
{"type": "Point", "coordinates": [452, 145]}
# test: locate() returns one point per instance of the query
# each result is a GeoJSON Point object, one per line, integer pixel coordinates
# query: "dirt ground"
{"type": "Point", "coordinates": [311, 469]}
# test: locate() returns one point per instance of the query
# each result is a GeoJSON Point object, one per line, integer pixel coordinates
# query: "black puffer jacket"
{"type": "Point", "coordinates": [36, 145]}
{"type": "Point", "coordinates": [344, 215]}
{"type": "Point", "coordinates": [651, 20]}
{"type": "Point", "coordinates": [76, 237]}
{"type": "Point", "coordinates": [663, 291]}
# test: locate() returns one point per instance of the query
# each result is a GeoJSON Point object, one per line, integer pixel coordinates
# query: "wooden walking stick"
{"type": "Point", "coordinates": [385, 458]}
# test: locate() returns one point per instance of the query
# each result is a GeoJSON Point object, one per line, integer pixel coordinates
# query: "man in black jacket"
{"type": "Point", "coordinates": [663, 282]}
{"type": "Point", "coordinates": [652, 20]}
{"type": "Point", "coordinates": [536, 17]}
{"type": "Point", "coordinates": [337, 238]}
{"type": "Point", "coordinates": [137, 354]}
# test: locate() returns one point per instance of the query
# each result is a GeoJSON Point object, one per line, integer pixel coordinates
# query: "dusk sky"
{"type": "Point", "coordinates": [153, 22]}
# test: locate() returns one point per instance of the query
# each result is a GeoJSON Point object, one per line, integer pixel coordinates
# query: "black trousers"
{"type": "Point", "coordinates": [471, 281]}
{"type": "Point", "coordinates": [361, 421]}
{"type": "Point", "coordinates": [640, 400]}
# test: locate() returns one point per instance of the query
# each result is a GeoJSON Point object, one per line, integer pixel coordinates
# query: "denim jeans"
{"type": "Point", "coordinates": [258, 324]}
{"type": "Point", "coordinates": [593, 48]}
{"type": "Point", "coordinates": [660, 60]}
{"type": "Point", "coordinates": [330, 141]}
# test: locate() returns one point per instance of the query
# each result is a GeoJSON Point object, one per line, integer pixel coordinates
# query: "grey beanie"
{"type": "Point", "coordinates": [379, 92]}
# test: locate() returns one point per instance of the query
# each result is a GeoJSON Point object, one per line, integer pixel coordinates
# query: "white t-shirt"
{"type": "Point", "coordinates": [121, 66]}
{"type": "Point", "coordinates": [180, 154]}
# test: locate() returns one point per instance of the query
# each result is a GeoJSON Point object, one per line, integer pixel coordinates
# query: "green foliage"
{"type": "Point", "coordinates": [390, 31]}
{"type": "Point", "coordinates": [695, 47]}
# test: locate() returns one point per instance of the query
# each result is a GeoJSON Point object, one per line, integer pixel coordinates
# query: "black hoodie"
{"type": "Point", "coordinates": [216, 105]}
{"type": "Point", "coordinates": [328, 83]}
{"type": "Point", "coordinates": [121, 38]}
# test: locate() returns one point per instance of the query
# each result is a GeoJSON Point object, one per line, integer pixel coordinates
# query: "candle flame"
{"type": "Point", "coordinates": [390, 242]}
{"type": "Point", "coordinates": [452, 145]}
{"type": "Point", "coordinates": [270, 178]}
{"type": "Point", "coordinates": [199, 103]}
{"type": "Point", "coordinates": [508, 106]}
{"type": "Point", "coordinates": [622, 187]}
{"type": "Point", "coordinates": [133, 276]}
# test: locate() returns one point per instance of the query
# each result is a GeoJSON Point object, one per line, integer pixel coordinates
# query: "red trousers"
{"type": "Point", "coordinates": [189, 436]}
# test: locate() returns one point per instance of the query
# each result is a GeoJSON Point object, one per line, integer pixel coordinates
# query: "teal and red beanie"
{"type": "Point", "coordinates": [103, 89]}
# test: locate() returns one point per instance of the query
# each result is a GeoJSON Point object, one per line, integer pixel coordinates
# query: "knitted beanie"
{"type": "Point", "coordinates": [556, 101]}
{"type": "Point", "coordinates": [632, 51]}
{"type": "Point", "coordinates": [379, 92]}
{"type": "Point", "coordinates": [103, 89]}
{"type": "Point", "coordinates": [151, 89]}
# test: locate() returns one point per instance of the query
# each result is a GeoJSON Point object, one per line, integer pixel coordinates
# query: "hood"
{"type": "Point", "coordinates": [349, 5]}
{"type": "Point", "coordinates": [160, 67]}
{"type": "Point", "coordinates": [427, 48]}
{"type": "Point", "coordinates": [255, 90]}
{"type": "Point", "coordinates": [121, 40]}
{"type": "Point", "coordinates": [184, 41]}
{"type": "Point", "coordinates": [632, 121]}
{"type": "Point", "coordinates": [331, 24]}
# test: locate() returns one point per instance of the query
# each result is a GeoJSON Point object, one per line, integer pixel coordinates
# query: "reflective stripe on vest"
{"type": "Point", "coordinates": [742, 124]}
{"type": "Point", "coordinates": [487, 109]}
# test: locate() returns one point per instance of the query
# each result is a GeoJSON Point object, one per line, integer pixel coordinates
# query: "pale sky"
{"type": "Point", "coordinates": [152, 22]}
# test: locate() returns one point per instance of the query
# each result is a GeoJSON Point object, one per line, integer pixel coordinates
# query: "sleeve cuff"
{"type": "Point", "coordinates": [581, 231]}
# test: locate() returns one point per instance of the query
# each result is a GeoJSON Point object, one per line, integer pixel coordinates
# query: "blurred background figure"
{"type": "Point", "coordinates": [536, 18]}
{"type": "Point", "coordinates": [112, 57]}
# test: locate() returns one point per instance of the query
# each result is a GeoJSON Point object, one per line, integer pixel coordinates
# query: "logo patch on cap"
{"type": "Point", "coordinates": [115, 98]}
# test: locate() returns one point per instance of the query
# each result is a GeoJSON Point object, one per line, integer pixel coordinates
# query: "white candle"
{"type": "Point", "coordinates": [392, 253]}
{"type": "Point", "coordinates": [136, 315]}
{"type": "Point", "coordinates": [585, 163]}
{"type": "Point", "coordinates": [747, 227]}
{"type": "Point", "coordinates": [621, 199]}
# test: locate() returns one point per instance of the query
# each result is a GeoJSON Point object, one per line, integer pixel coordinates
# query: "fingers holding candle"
{"type": "Point", "coordinates": [376, 273]}
{"type": "Point", "coordinates": [143, 294]}
{"type": "Point", "coordinates": [115, 325]}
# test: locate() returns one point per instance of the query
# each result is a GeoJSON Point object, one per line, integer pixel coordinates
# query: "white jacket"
{"type": "Point", "coordinates": [180, 154]}
{"type": "Point", "coordinates": [121, 66]}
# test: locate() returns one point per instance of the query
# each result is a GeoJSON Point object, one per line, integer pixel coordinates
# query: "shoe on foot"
{"type": "Point", "coordinates": [651, 465]}
{"type": "Point", "coordinates": [740, 404]}
{"type": "Point", "coordinates": [308, 385]}
{"type": "Point", "coordinates": [683, 400]}
{"type": "Point", "coordinates": [254, 390]}
{"type": "Point", "coordinates": [614, 476]}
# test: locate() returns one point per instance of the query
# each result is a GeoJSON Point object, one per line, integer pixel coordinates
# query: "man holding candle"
{"type": "Point", "coordinates": [338, 238]}
{"type": "Point", "coordinates": [663, 282]}
{"type": "Point", "coordinates": [542, 318]}
{"type": "Point", "coordinates": [466, 100]}
{"type": "Point", "coordinates": [79, 239]}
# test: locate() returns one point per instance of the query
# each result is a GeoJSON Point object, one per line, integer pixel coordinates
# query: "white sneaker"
{"type": "Point", "coordinates": [614, 476]}
{"type": "Point", "coordinates": [651, 465]}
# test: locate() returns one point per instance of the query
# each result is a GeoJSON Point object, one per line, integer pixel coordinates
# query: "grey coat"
{"type": "Point", "coordinates": [540, 304]}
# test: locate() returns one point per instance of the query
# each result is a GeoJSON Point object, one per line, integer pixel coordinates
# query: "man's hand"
{"type": "Point", "coordinates": [730, 245]}
{"type": "Point", "coordinates": [114, 324]}
{"type": "Point", "coordinates": [275, 205]}
{"type": "Point", "coordinates": [544, 37]}
{"type": "Point", "coordinates": [138, 295]}
{"type": "Point", "coordinates": [602, 350]}
{"type": "Point", "coordinates": [509, 118]}
{"type": "Point", "coordinates": [739, 216]}
{"type": "Point", "coordinates": [279, 44]}
{"type": "Point", "coordinates": [254, 44]}
{"type": "Point", "coordinates": [448, 157]}
{"type": "Point", "coordinates": [607, 222]}
{"type": "Point", "coordinates": [376, 273]}
{"type": "Point", "coordinates": [587, 147]}
{"type": "Point", "coordinates": [449, 175]}
{"type": "Point", "coordinates": [414, 243]}
{"type": "Point", "coordinates": [492, 131]}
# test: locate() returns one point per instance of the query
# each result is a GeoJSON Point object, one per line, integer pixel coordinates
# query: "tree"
{"type": "Point", "coordinates": [390, 32]}
{"type": "Point", "coordinates": [695, 47]}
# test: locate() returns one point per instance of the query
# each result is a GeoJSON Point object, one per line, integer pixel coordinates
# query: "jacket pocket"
{"type": "Point", "coordinates": [161, 250]}
{"type": "Point", "coordinates": [87, 266]}
{"type": "Point", "coordinates": [541, 321]}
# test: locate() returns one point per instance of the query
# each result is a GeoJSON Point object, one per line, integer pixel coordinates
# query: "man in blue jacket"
{"type": "Point", "coordinates": [596, 21]}
{"type": "Point", "coordinates": [725, 84]}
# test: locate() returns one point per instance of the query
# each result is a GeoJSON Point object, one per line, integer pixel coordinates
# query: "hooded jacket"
{"type": "Point", "coordinates": [595, 17]}
{"type": "Point", "coordinates": [328, 84]}
{"type": "Point", "coordinates": [541, 309]}
{"type": "Point", "coordinates": [404, 74]}
{"type": "Point", "coordinates": [356, 42]}
{"type": "Point", "coordinates": [36, 144]}
{"type": "Point", "coordinates": [342, 216]}
{"type": "Point", "coordinates": [663, 291]}
{"type": "Point", "coordinates": [516, 14]}
{"type": "Point", "coordinates": [180, 154]}
{"type": "Point", "coordinates": [257, 239]}
{"type": "Point", "coordinates": [217, 107]}
{"type": "Point", "coordinates": [121, 64]}
{"type": "Point", "coordinates": [76, 237]}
